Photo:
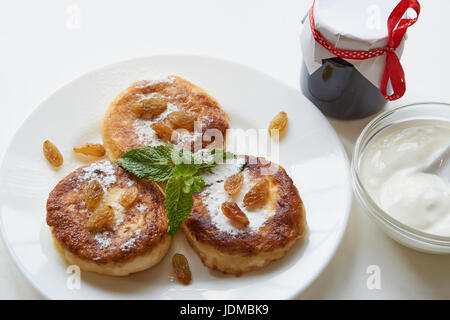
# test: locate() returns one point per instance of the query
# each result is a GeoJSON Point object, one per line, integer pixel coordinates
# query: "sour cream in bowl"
{"type": "Point", "coordinates": [412, 206]}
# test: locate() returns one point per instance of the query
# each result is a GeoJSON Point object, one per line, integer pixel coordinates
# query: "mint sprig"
{"type": "Point", "coordinates": [152, 163]}
{"type": "Point", "coordinates": [178, 202]}
{"type": "Point", "coordinates": [180, 168]}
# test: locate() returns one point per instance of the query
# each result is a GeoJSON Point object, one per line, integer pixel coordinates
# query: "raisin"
{"type": "Point", "coordinates": [257, 196]}
{"type": "Point", "coordinates": [195, 109]}
{"type": "Point", "coordinates": [128, 197]}
{"type": "Point", "coordinates": [232, 211]}
{"type": "Point", "coordinates": [102, 218]}
{"type": "Point", "coordinates": [162, 131]}
{"type": "Point", "coordinates": [278, 125]}
{"type": "Point", "coordinates": [181, 268]}
{"type": "Point", "coordinates": [52, 154]}
{"type": "Point", "coordinates": [91, 149]}
{"type": "Point", "coordinates": [149, 108]}
{"type": "Point", "coordinates": [181, 120]}
{"type": "Point", "coordinates": [93, 194]}
{"type": "Point", "coordinates": [234, 183]}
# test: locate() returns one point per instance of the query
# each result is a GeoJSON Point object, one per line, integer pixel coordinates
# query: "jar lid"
{"type": "Point", "coordinates": [354, 24]}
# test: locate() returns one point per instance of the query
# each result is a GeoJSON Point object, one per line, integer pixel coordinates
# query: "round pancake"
{"type": "Point", "coordinates": [135, 240]}
{"type": "Point", "coordinates": [124, 129]}
{"type": "Point", "coordinates": [272, 229]}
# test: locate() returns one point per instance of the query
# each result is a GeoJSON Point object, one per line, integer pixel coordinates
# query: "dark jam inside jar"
{"type": "Point", "coordinates": [340, 91]}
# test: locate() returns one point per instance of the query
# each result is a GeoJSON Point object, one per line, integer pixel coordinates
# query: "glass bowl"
{"type": "Point", "coordinates": [400, 232]}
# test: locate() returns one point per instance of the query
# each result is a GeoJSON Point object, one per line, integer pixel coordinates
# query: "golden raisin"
{"type": "Point", "coordinates": [102, 218]}
{"type": "Point", "coordinates": [52, 154]}
{"type": "Point", "coordinates": [91, 149]}
{"type": "Point", "coordinates": [93, 194]}
{"type": "Point", "coordinates": [234, 183]}
{"type": "Point", "coordinates": [232, 211]}
{"type": "Point", "coordinates": [181, 268]}
{"type": "Point", "coordinates": [128, 197]}
{"type": "Point", "coordinates": [195, 109]}
{"type": "Point", "coordinates": [181, 120]}
{"type": "Point", "coordinates": [278, 125]}
{"type": "Point", "coordinates": [257, 196]}
{"type": "Point", "coordinates": [162, 131]}
{"type": "Point", "coordinates": [149, 108]}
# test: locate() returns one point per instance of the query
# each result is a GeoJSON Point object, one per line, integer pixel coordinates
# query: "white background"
{"type": "Point", "coordinates": [40, 52]}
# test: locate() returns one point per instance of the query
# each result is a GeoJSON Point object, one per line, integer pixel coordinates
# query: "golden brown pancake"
{"type": "Point", "coordinates": [124, 129]}
{"type": "Point", "coordinates": [272, 229]}
{"type": "Point", "coordinates": [136, 239]}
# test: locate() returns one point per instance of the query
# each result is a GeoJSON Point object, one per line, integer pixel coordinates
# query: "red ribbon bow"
{"type": "Point", "coordinates": [396, 30]}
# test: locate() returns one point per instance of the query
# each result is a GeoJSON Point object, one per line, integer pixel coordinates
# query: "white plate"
{"type": "Point", "coordinates": [310, 152]}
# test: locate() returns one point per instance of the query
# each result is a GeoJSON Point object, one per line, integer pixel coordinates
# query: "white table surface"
{"type": "Point", "coordinates": [40, 51]}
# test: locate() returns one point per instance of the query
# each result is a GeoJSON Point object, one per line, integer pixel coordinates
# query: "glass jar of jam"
{"type": "Point", "coordinates": [340, 91]}
{"type": "Point", "coordinates": [346, 48]}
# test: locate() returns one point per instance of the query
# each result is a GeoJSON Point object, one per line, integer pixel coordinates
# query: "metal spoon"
{"type": "Point", "coordinates": [440, 165]}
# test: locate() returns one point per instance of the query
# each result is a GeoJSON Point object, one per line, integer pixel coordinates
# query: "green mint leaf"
{"type": "Point", "coordinates": [178, 203]}
{"type": "Point", "coordinates": [152, 163]}
{"type": "Point", "coordinates": [154, 172]}
{"type": "Point", "coordinates": [180, 168]}
{"type": "Point", "coordinates": [197, 184]}
{"type": "Point", "coordinates": [212, 157]}
{"type": "Point", "coordinates": [179, 155]}
{"type": "Point", "coordinates": [150, 154]}
{"type": "Point", "coordinates": [185, 170]}
{"type": "Point", "coordinates": [187, 184]}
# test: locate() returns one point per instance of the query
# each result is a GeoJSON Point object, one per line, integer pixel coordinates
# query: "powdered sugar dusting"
{"type": "Point", "coordinates": [127, 246]}
{"type": "Point", "coordinates": [223, 171]}
{"type": "Point", "coordinates": [160, 79]}
{"type": "Point", "coordinates": [204, 156]}
{"type": "Point", "coordinates": [103, 171]}
{"type": "Point", "coordinates": [141, 207]}
{"type": "Point", "coordinates": [144, 131]}
{"type": "Point", "coordinates": [118, 213]}
{"type": "Point", "coordinates": [185, 139]}
{"type": "Point", "coordinates": [215, 195]}
{"type": "Point", "coordinates": [103, 239]}
{"type": "Point", "coordinates": [150, 95]}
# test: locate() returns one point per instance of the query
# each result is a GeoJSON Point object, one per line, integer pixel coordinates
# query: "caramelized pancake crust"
{"type": "Point", "coordinates": [224, 250]}
{"type": "Point", "coordinates": [123, 129]}
{"type": "Point", "coordinates": [137, 230]}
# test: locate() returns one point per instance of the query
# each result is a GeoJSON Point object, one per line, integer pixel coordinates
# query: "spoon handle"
{"type": "Point", "coordinates": [440, 165]}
